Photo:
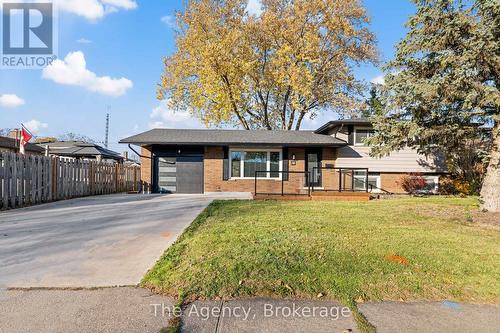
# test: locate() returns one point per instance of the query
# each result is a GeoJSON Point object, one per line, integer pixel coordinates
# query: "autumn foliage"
{"type": "Point", "coordinates": [413, 183]}
{"type": "Point", "coordinates": [269, 71]}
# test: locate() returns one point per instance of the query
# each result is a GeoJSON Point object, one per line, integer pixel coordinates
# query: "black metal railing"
{"type": "Point", "coordinates": [342, 174]}
{"type": "Point", "coordinates": [284, 177]}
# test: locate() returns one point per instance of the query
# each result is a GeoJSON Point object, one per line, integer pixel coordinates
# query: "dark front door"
{"type": "Point", "coordinates": [313, 163]}
{"type": "Point", "coordinates": [189, 174]}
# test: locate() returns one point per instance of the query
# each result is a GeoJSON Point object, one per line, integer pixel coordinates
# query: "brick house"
{"type": "Point", "coordinates": [332, 158]}
{"type": "Point", "coordinates": [8, 144]}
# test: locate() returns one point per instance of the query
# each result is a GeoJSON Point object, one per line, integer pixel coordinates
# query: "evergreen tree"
{"type": "Point", "coordinates": [444, 83]}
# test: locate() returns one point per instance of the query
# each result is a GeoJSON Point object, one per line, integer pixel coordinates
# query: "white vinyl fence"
{"type": "Point", "coordinates": [31, 179]}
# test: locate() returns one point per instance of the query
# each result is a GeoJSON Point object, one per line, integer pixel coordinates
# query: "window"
{"type": "Point", "coordinates": [236, 163]}
{"type": "Point", "coordinates": [431, 184]}
{"type": "Point", "coordinates": [361, 134]}
{"type": "Point", "coordinates": [374, 182]}
{"type": "Point", "coordinates": [244, 164]}
{"type": "Point", "coordinates": [254, 161]}
{"type": "Point", "coordinates": [274, 164]}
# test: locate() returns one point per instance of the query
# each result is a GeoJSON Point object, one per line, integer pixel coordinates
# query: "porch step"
{"type": "Point", "coordinates": [346, 196]}
{"type": "Point", "coordinates": [318, 196]}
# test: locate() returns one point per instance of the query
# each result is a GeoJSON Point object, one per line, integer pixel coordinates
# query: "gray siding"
{"type": "Point", "coordinates": [406, 160]}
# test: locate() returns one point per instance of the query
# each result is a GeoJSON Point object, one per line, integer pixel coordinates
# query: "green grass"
{"type": "Point", "coordinates": [339, 249]}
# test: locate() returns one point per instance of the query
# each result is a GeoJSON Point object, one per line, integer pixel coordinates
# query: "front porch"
{"type": "Point", "coordinates": [318, 183]}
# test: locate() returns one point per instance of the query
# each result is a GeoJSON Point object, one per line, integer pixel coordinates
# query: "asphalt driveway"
{"type": "Point", "coordinates": [107, 240]}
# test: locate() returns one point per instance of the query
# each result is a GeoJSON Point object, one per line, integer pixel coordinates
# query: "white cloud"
{"type": "Point", "coordinates": [169, 20]}
{"type": "Point", "coordinates": [10, 101]}
{"type": "Point", "coordinates": [34, 126]}
{"type": "Point", "coordinates": [164, 116]}
{"type": "Point", "coordinates": [94, 9]}
{"type": "Point", "coordinates": [379, 79]}
{"type": "Point", "coordinates": [84, 41]}
{"type": "Point", "coordinates": [254, 7]}
{"type": "Point", "coordinates": [73, 71]}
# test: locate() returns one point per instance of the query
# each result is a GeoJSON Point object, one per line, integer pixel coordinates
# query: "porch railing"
{"type": "Point", "coordinates": [288, 183]}
{"type": "Point", "coordinates": [339, 179]}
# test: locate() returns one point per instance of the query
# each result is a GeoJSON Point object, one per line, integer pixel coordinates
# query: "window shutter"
{"type": "Point", "coordinates": [285, 164]}
{"type": "Point", "coordinates": [350, 133]}
{"type": "Point", "coordinates": [225, 167]}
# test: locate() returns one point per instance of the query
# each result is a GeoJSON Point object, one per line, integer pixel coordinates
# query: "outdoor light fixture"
{"type": "Point", "coordinates": [293, 159]}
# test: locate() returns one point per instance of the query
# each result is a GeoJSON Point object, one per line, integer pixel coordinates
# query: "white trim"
{"type": "Point", "coordinates": [379, 183]}
{"type": "Point", "coordinates": [268, 162]}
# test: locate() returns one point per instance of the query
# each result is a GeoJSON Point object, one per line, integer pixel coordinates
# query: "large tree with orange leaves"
{"type": "Point", "coordinates": [270, 71]}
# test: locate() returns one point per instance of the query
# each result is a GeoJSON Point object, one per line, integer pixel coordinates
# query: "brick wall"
{"type": "Point", "coordinates": [390, 182]}
{"type": "Point", "coordinates": [295, 184]}
{"type": "Point", "coordinates": [146, 165]}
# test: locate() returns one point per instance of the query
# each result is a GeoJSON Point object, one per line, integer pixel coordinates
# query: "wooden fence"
{"type": "Point", "coordinates": [31, 179]}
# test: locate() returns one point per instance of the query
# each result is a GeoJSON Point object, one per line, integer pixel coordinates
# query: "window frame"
{"type": "Point", "coordinates": [379, 182]}
{"type": "Point", "coordinates": [268, 152]}
{"type": "Point", "coordinates": [435, 179]}
{"type": "Point", "coordinates": [370, 133]}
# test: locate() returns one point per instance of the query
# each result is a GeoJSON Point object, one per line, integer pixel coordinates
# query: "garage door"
{"type": "Point", "coordinates": [181, 174]}
{"type": "Point", "coordinates": [189, 174]}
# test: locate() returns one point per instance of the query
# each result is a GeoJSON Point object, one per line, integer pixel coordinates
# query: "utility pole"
{"type": "Point", "coordinates": [106, 138]}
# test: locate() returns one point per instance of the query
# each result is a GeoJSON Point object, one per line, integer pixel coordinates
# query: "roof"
{"type": "Point", "coordinates": [11, 143]}
{"type": "Point", "coordinates": [62, 144]}
{"type": "Point", "coordinates": [198, 137]}
{"type": "Point", "coordinates": [331, 124]}
{"type": "Point", "coordinates": [82, 149]}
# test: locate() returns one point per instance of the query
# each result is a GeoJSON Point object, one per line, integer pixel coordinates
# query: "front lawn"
{"type": "Point", "coordinates": [399, 249]}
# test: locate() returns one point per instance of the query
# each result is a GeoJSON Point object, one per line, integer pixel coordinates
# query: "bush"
{"type": "Point", "coordinates": [413, 183]}
{"type": "Point", "coordinates": [453, 186]}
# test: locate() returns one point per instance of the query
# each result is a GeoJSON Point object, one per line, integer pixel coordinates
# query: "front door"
{"type": "Point", "coordinates": [313, 163]}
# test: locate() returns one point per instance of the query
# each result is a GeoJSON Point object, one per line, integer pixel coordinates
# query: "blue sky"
{"type": "Point", "coordinates": [122, 43]}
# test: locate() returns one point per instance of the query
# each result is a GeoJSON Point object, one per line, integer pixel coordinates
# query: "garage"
{"type": "Point", "coordinates": [178, 170]}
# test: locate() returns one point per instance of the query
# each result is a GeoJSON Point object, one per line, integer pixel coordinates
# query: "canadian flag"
{"type": "Point", "coordinates": [25, 138]}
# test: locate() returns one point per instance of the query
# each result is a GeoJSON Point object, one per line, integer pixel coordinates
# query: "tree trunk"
{"type": "Point", "coordinates": [490, 192]}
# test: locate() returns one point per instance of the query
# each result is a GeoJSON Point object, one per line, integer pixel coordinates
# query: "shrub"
{"type": "Point", "coordinates": [454, 186]}
{"type": "Point", "coordinates": [413, 183]}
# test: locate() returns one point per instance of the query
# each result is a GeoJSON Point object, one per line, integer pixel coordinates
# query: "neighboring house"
{"type": "Point", "coordinates": [12, 145]}
{"type": "Point", "coordinates": [81, 150]}
{"type": "Point", "coordinates": [332, 158]}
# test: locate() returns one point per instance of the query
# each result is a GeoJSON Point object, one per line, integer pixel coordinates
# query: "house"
{"type": "Point", "coordinates": [332, 158]}
{"type": "Point", "coordinates": [81, 150]}
{"type": "Point", "coordinates": [8, 144]}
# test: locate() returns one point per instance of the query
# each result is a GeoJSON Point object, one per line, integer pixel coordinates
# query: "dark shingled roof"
{"type": "Point", "coordinates": [331, 124]}
{"type": "Point", "coordinates": [199, 137]}
{"type": "Point", "coordinates": [81, 149]}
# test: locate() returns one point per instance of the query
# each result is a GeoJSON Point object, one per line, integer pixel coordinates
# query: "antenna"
{"type": "Point", "coordinates": [106, 138]}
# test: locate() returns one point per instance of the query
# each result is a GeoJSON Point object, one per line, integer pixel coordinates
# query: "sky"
{"type": "Point", "coordinates": [110, 60]}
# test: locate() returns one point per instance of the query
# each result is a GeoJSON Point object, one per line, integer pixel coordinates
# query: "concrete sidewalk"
{"type": "Point", "coordinates": [129, 309]}
{"type": "Point", "coordinates": [106, 310]}
{"type": "Point", "coordinates": [440, 317]}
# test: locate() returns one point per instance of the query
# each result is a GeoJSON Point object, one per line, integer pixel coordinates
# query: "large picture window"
{"type": "Point", "coordinates": [244, 163]}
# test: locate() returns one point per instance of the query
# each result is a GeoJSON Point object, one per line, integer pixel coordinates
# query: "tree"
{"type": "Point", "coordinates": [443, 84]}
{"type": "Point", "coordinates": [374, 104]}
{"type": "Point", "coordinates": [70, 136]}
{"type": "Point", "coordinates": [268, 71]}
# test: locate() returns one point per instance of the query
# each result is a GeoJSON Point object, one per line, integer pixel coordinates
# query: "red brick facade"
{"type": "Point", "coordinates": [213, 174]}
